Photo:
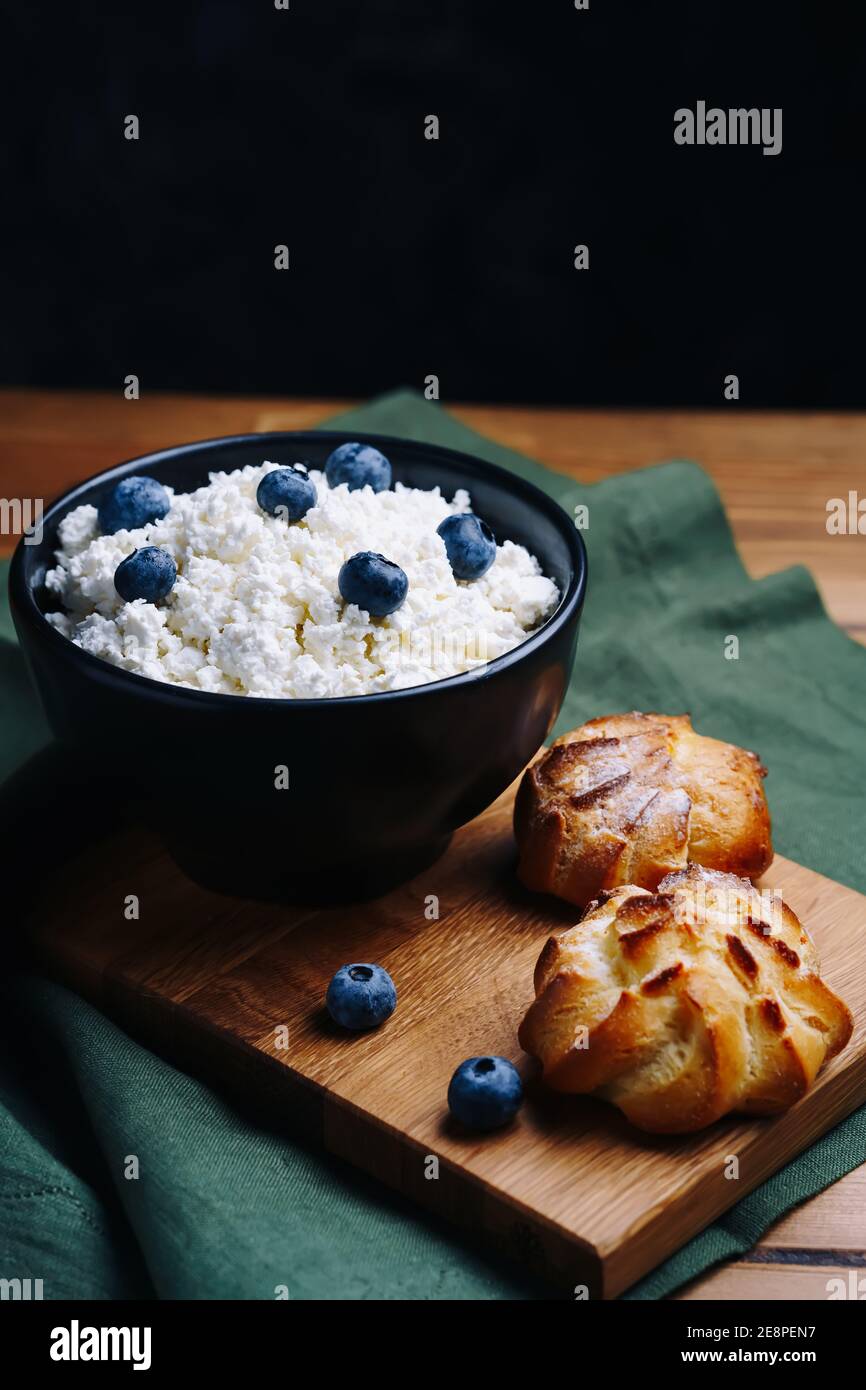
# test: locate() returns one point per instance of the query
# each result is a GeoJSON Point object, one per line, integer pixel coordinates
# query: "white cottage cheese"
{"type": "Point", "coordinates": [256, 609]}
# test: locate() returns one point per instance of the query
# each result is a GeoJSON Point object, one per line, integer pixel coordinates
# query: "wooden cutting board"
{"type": "Point", "coordinates": [233, 991]}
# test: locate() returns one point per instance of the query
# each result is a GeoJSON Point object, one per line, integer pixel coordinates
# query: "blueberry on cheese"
{"type": "Point", "coordinates": [358, 465]}
{"type": "Point", "coordinates": [132, 503]}
{"type": "Point", "coordinates": [469, 544]}
{"type": "Point", "coordinates": [485, 1092]}
{"type": "Point", "coordinates": [148, 573]}
{"type": "Point", "coordinates": [287, 492]}
{"type": "Point", "coordinates": [372, 583]}
{"type": "Point", "coordinates": [361, 996]}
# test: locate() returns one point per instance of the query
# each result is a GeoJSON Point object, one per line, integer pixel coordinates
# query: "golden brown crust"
{"type": "Point", "coordinates": [682, 1005]}
{"type": "Point", "coordinates": [633, 797]}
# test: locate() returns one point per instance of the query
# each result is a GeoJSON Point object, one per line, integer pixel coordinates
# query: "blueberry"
{"type": "Point", "coordinates": [359, 465]}
{"type": "Point", "coordinates": [469, 543]}
{"type": "Point", "coordinates": [131, 503]}
{"type": "Point", "coordinates": [375, 584]}
{"type": "Point", "coordinates": [361, 996]}
{"type": "Point", "coordinates": [286, 492]}
{"type": "Point", "coordinates": [148, 573]}
{"type": "Point", "coordinates": [485, 1092]}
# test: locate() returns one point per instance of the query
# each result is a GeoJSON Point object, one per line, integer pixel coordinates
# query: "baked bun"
{"type": "Point", "coordinates": [634, 797]}
{"type": "Point", "coordinates": [682, 1005]}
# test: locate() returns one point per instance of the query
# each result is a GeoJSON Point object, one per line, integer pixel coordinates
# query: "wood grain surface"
{"type": "Point", "coordinates": [234, 991]}
{"type": "Point", "coordinates": [775, 472]}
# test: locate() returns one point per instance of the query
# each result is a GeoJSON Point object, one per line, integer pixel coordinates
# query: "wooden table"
{"type": "Point", "coordinates": [775, 472]}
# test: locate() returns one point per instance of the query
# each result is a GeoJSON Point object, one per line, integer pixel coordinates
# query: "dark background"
{"type": "Point", "coordinates": [454, 257]}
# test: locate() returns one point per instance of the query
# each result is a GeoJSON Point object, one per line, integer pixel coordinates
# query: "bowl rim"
{"type": "Point", "coordinates": [24, 605]}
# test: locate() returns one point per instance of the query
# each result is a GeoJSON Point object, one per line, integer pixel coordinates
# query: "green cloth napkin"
{"type": "Point", "coordinates": [223, 1209]}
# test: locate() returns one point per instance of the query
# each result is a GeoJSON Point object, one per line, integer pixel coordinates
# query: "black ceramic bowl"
{"type": "Point", "coordinates": [377, 783]}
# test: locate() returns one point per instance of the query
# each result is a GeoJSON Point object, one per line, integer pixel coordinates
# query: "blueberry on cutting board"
{"type": "Point", "coordinates": [485, 1092]}
{"type": "Point", "coordinates": [361, 996]}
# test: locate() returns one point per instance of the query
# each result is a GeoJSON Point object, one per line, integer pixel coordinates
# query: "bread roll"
{"type": "Point", "coordinates": [681, 1005]}
{"type": "Point", "coordinates": [633, 797]}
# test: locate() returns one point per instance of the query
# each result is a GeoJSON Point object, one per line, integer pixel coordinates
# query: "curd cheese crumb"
{"type": "Point", "coordinates": [256, 609]}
